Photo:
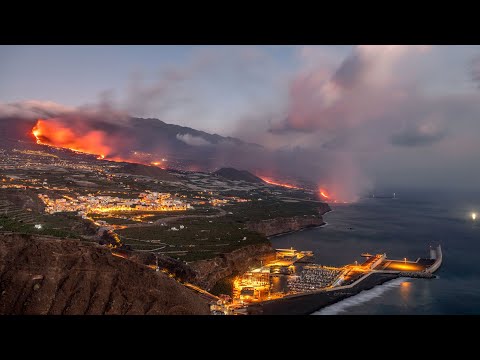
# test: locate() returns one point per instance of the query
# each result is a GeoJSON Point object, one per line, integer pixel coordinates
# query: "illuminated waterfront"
{"type": "Point", "coordinates": [260, 285]}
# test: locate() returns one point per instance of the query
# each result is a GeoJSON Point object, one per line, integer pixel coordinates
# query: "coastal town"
{"type": "Point", "coordinates": [148, 201]}
{"type": "Point", "coordinates": [185, 216]}
{"type": "Point", "coordinates": [239, 180]}
{"type": "Point", "coordinates": [188, 215]}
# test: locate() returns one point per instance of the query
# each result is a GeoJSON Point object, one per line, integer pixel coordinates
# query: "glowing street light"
{"type": "Point", "coordinates": [474, 216]}
{"type": "Point", "coordinates": [405, 260]}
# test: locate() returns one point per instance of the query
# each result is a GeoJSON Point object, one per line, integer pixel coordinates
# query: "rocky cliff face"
{"type": "Point", "coordinates": [42, 275]}
{"type": "Point", "coordinates": [237, 261]}
{"type": "Point", "coordinates": [278, 226]}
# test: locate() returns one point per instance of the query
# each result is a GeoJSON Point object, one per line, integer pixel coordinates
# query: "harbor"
{"type": "Point", "coordinates": [293, 285]}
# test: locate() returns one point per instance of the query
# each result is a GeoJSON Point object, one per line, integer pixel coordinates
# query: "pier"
{"type": "Point", "coordinates": [315, 286]}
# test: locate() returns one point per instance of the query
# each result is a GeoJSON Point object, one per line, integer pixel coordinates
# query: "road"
{"type": "Point", "coordinates": [205, 294]}
{"type": "Point", "coordinates": [178, 217]}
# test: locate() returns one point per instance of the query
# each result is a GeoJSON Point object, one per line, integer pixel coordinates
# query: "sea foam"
{"type": "Point", "coordinates": [362, 297]}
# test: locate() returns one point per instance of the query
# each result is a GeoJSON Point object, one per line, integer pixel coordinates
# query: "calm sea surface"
{"type": "Point", "coordinates": [403, 227]}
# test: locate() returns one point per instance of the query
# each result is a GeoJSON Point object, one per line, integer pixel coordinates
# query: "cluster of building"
{"type": "Point", "coordinates": [313, 277]}
{"type": "Point", "coordinates": [203, 200]}
{"type": "Point", "coordinates": [253, 285]}
{"type": "Point", "coordinates": [147, 201]}
{"type": "Point", "coordinates": [43, 161]}
{"type": "Point", "coordinates": [218, 202]}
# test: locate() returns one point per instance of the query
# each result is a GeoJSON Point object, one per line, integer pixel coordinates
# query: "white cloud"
{"type": "Point", "coordinates": [193, 140]}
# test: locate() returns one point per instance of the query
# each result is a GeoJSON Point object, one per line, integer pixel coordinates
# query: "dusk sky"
{"type": "Point", "coordinates": [386, 115]}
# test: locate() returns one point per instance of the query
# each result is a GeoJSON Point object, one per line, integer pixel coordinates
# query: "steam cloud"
{"type": "Point", "coordinates": [343, 117]}
{"type": "Point", "coordinates": [193, 140]}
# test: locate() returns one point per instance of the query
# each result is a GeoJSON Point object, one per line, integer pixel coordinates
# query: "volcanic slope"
{"type": "Point", "coordinates": [234, 174]}
{"type": "Point", "coordinates": [42, 275]}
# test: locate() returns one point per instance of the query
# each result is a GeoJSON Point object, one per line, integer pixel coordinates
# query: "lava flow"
{"type": "Point", "coordinates": [272, 182]}
{"type": "Point", "coordinates": [158, 164]}
{"type": "Point", "coordinates": [54, 133]}
{"type": "Point", "coordinates": [324, 193]}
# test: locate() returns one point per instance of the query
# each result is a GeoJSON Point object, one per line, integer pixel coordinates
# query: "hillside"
{"type": "Point", "coordinates": [147, 140]}
{"type": "Point", "coordinates": [172, 133]}
{"type": "Point", "coordinates": [145, 170]}
{"type": "Point", "coordinates": [234, 174]}
{"type": "Point", "coordinates": [41, 275]}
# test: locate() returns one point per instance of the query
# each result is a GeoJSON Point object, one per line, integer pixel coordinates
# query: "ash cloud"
{"type": "Point", "coordinates": [334, 115]}
{"type": "Point", "coordinates": [372, 103]}
{"type": "Point", "coordinates": [32, 109]}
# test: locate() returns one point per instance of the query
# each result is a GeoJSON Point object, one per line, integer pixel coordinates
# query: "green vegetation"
{"type": "Point", "coordinates": [115, 221]}
{"type": "Point", "coordinates": [270, 208]}
{"type": "Point", "coordinates": [10, 224]}
{"type": "Point", "coordinates": [200, 238]}
{"type": "Point", "coordinates": [204, 235]}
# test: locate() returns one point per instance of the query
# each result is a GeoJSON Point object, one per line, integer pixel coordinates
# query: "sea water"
{"type": "Point", "coordinates": [403, 227]}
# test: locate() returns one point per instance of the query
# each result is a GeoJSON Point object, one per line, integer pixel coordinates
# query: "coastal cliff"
{"type": "Point", "coordinates": [210, 271]}
{"type": "Point", "coordinates": [43, 275]}
{"type": "Point", "coordinates": [277, 226]}
{"type": "Point", "coordinates": [237, 261]}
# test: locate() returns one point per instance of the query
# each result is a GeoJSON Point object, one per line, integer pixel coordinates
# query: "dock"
{"type": "Point", "coordinates": [315, 286]}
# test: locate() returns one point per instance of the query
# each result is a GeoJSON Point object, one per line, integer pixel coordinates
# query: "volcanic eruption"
{"type": "Point", "coordinates": [54, 133]}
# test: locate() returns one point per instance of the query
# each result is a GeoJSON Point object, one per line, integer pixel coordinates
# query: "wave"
{"type": "Point", "coordinates": [361, 298]}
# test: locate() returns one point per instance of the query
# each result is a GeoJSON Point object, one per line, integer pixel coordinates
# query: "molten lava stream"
{"type": "Point", "coordinates": [272, 182]}
{"type": "Point", "coordinates": [58, 134]}
{"type": "Point", "coordinates": [324, 194]}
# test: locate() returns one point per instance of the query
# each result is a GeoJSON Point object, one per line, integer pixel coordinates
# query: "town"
{"type": "Point", "coordinates": [148, 201]}
{"type": "Point", "coordinates": [186, 215]}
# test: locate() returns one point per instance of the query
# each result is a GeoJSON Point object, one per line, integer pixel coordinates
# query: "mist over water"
{"type": "Point", "coordinates": [404, 227]}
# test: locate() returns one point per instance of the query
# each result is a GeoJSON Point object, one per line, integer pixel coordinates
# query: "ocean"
{"type": "Point", "coordinates": [403, 227]}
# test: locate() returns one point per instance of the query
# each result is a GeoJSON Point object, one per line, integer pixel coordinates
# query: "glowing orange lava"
{"type": "Point", "coordinates": [55, 133]}
{"type": "Point", "coordinates": [324, 193]}
{"type": "Point", "coordinates": [36, 133]}
{"type": "Point", "coordinates": [272, 182]}
{"type": "Point", "coordinates": [157, 164]}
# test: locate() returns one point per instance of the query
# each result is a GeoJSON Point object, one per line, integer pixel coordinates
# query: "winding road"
{"type": "Point", "coordinates": [178, 217]}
